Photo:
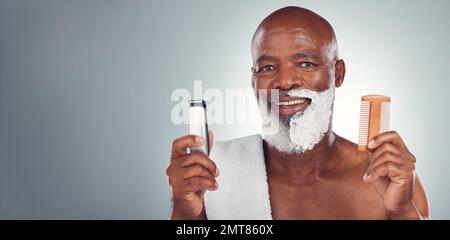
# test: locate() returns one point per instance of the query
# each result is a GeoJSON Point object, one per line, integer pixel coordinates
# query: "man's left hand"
{"type": "Point", "coordinates": [391, 170]}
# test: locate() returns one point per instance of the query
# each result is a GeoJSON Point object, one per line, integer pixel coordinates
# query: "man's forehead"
{"type": "Point", "coordinates": [293, 40]}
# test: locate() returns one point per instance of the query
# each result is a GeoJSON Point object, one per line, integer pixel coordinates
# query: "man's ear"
{"type": "Point", "coordinates": [253, 78]}
{"type": "Point", "coordinates": [339, 72]}
{"type": "Point", "coordinates": [254, 86]}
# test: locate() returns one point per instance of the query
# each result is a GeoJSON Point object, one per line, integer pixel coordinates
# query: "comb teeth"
{"type": "Point", "coordinates": [364, 123]}
{"type": "Point", "coordinates": [373, 118]}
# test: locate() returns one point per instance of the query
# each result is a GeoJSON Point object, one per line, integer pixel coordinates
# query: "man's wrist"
{"type": "Point", "coordinates": [408, 212]}
{"type": "Point", "coordinates": [177, 215]}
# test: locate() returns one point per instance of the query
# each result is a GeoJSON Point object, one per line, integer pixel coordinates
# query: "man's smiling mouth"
{"type": "Point", "coordinates": [291, 105]}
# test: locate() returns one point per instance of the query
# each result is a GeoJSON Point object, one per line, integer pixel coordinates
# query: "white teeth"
{"type": "Point", "coordinates": [292, 102]}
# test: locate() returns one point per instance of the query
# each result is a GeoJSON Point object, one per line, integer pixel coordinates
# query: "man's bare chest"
{"type": "Point", "coordinates": [325, 201]}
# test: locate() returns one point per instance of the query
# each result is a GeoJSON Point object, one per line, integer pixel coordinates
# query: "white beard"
{"type": "Point", "coordinates": [305, 129]}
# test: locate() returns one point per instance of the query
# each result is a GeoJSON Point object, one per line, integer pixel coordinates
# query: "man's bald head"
{"type": "Point", "coordinates": [309, 28]}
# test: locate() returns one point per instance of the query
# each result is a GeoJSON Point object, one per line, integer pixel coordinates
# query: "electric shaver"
{"type": "Point", "coordinates": [198, 124]}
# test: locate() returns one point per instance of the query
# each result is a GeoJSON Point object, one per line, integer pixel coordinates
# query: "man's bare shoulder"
{"type": "Point", "coordinates": [349, 162]}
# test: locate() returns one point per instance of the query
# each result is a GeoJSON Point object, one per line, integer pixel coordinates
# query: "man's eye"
{"type": "Point", "coordinates": [307, 64]}
{"type": "Point", "coordinates": [267, 68]}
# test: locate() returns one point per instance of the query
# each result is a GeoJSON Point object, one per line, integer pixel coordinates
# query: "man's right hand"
{"type": "Point", "coordinates": [190, 175]}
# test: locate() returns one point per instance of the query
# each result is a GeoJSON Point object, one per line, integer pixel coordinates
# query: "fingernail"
{"type": "Point", "coordinates": [198, 139]}
{"type": "Point", "coordinates": [216, 185]}
{"type": "Point", "coordinates": [365, 177]}
{"type": "Point", "coordinates": [371, 144]}
{"type": "Point", "coordinates": [217, 172]}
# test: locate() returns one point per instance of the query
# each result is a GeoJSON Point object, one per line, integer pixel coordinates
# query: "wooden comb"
{"type": "Point", "coordinates": [373, 118]}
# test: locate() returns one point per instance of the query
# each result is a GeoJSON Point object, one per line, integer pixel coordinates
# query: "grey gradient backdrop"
{"type": "Point", "coordinates": [85, 88]}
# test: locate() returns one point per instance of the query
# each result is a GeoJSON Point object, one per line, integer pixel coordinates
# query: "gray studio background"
{"type": "Point", "coordinates": [85, 88]}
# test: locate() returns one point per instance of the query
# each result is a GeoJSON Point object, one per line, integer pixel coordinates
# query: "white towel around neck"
{"type": "Point", "coordinates": [243, 191]}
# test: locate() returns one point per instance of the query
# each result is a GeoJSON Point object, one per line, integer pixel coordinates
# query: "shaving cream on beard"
{"type": "Point", "coordinates": [305, 128]}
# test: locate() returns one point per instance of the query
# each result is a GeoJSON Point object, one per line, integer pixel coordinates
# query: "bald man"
{"type": "Point", "coordinates": [303, 170]}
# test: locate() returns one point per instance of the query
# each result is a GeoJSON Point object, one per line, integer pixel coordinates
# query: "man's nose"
{"type": "Point", "coordinates": [289, 79]}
